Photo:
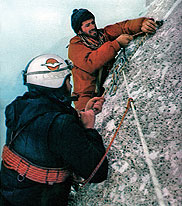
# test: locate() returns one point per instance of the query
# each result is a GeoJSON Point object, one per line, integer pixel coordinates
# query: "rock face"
{"type": "Point", "coordinates": [154, 82]}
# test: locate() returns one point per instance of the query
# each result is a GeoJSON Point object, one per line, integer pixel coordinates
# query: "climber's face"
{"type": "Point", "coordinates": [89, 28]}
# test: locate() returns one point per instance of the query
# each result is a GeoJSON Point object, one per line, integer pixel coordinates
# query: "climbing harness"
{"type": "Point", "coordinates": [25, 168]}
{"type": "Point", "coordinates": [14, 161]}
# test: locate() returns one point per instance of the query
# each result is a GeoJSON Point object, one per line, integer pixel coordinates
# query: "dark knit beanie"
{"type": "Point", "coordinates": [78, 16]}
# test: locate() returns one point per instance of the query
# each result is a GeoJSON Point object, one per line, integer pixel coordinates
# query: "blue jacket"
{"type": "Point", "coordinates": [54, 137]}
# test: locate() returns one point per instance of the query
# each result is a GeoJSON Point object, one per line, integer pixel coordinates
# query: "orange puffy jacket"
{"type": "Point", "coordinates": [87, 62]}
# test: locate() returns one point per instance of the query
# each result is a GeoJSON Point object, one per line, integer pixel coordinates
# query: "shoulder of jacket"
{"type": "Point", "coordinates": [65, 119]}
{"type": "Point", "coordinates": [75, 39]}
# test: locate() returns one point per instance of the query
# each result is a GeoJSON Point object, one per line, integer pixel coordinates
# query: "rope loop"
{"type": "Point", "coordinates": [130, 99]}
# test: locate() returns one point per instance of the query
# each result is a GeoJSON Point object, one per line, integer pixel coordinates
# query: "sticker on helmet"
{"type": "Point", "coordinates": [52, 64]}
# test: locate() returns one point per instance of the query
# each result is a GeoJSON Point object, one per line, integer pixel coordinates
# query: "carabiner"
{"type": "Point", "coordinates": [20, 178]}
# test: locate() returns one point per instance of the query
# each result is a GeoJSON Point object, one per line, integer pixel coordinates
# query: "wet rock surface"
{"type": "Point", "coordinates": [154, 81]}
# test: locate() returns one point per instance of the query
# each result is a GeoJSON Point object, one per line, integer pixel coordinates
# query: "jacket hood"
{"type": "Point", "coordinates": [31, 104]}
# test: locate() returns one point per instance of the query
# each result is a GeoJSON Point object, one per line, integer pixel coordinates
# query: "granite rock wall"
{"type": "Point", "coordinates": [154, 82]}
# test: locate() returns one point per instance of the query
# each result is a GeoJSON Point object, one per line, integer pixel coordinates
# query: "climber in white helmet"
{"type": "Point", "coordinates": [47, 141]}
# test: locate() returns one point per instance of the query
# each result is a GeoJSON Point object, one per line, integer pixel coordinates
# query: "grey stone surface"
{"type": "Point", "coordinates": [158, 8]}
{"type": "Point", "coordinates": [154, 80]}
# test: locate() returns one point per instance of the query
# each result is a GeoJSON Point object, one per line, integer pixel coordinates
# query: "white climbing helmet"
{"type": "Point", "coordinates": [48, 70]}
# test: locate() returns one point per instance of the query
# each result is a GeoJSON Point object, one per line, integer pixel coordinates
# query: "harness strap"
{"type": "Point", "coordinates": [25, 168]}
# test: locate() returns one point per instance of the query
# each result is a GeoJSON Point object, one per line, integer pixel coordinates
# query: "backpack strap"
{"type": "Point", "coordinates": [14, 136]}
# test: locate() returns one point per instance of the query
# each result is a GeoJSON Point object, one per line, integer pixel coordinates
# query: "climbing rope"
{"type": "Point", "coordinates": [113, 87]}
{"type": "Point", "coordinates": [109, 146]}
{"type": "Point", "coordinates": [146, 151]}
{"type": "Point", "coordinates": [116, 72]}
{"type": "Point", "coordinates": [156, 184]}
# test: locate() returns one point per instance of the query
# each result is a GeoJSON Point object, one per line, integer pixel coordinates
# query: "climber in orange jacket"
{"type": "Point", "coordinates": [93, 51]}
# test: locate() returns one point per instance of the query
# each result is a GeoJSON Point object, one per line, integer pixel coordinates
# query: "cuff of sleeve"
{"type": "Point", "coordinates": [116, 45]}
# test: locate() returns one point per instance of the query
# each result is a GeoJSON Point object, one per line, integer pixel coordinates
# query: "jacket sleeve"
{"type": "Point", "coordinates": [92, 60]}
{"type": "Point", "coordinates": [132, 26]}
{"type": "Point", "coordinates": [80, 148]}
